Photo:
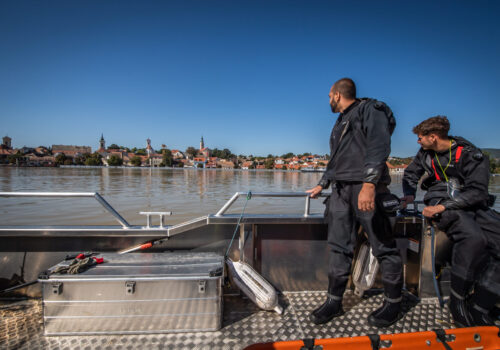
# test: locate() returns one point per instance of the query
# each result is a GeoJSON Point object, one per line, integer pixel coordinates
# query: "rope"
{"type": "Point", "coordinates": [249, 196]}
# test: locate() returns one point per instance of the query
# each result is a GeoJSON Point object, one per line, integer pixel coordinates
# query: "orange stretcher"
{"type": "Point", "coordinates": [473, 338]}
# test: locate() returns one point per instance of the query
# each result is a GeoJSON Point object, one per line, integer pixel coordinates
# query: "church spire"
{"type": "Point", "coordinates": [102, 143]}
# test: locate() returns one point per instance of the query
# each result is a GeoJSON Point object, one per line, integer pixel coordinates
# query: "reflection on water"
{"type": "Point", "coordinates": [188, 193]}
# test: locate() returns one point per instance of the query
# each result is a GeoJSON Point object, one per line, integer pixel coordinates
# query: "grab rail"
{"type": "Point", "coordinates": [307, 196]}
{"type": "Point", "coordinates": [96, 195]}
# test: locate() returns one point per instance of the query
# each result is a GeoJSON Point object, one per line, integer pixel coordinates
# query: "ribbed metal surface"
{"type": "Point", "coordinates": [136, 293]}
{"type": "Point", "coordinates": [21, 325]}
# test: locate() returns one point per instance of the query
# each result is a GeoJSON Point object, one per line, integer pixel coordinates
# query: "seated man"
{"type": "Point", "coordinates": [457, 201]}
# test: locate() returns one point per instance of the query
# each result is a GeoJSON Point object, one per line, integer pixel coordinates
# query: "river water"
{"type": "Point", "coordinates": [188, 193]}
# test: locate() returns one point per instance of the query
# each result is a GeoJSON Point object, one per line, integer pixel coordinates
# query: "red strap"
{"type": "Point", "coordinates": [459, 153]}
{"type": "Point", "coordinates": [98, 260]}
{"type": "Point", "coordinates": [435, 172]}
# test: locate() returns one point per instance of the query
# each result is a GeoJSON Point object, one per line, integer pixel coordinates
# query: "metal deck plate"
{"type": "Point", "coordinates": [21, 325]}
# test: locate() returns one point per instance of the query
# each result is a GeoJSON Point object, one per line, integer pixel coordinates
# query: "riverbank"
{"type": "Point", "coordinates": [172, 168]}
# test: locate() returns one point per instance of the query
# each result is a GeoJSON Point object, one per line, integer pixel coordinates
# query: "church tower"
{"type": "Point", "coordinates": [7, 142]}
{"type": "Point", "coordinates": [149, 149]}
{"type": "Point", "coordinates": [102, 143]}
{"type": "Point", "coordinates": [202, 144]}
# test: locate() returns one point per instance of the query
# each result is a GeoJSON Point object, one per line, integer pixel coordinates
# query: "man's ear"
{"type": "Point", "coordinates": [336, 96]}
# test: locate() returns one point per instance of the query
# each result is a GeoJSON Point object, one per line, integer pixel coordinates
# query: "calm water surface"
{"type": "Point", "coordinates": [188, 193]}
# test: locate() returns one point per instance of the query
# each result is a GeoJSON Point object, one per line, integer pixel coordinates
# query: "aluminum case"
{"type": "Point", "coordinates": [136, 293]}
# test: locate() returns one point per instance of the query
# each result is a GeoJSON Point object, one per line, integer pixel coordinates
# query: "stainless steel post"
{"type": "Point", "coordinates": [308, 205]}
{"type": "Point", "coordinates": [229, 203]}
{"type": "Point", "coordinates": [109, 208]}
{"type": "Point", "coordinates": [242, 243]}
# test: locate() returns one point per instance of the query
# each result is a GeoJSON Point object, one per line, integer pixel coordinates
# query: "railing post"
{"type": "Point", "coordinates": [308, 205]}
{"type": "Point", "coordinates": [242, 243]}
{"type": "Point", "coordinates": [228, 204]}
{"type": "Point", "coordinates": [109, 208]}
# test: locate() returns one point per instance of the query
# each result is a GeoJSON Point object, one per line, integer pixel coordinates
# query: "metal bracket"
{"type": "Point", "coordinates": [161, 214]}
{"type": "Point", "coordinates": [202, 286]}
{"type": "Point", "coordinates": [57, 288]}
{"type": "Point", "coordinates": [130, 287]}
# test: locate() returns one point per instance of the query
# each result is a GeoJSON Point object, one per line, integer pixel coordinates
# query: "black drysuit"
{"type": "Point", "coordinates": [462, 188]}
{"type": "Point", "coordinates": [359, 146]}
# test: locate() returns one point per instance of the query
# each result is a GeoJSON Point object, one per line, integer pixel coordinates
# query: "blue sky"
{"type": "Point", "coordinates": [251, 76]}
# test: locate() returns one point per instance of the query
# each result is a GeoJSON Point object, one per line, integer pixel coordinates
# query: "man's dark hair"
{"type": "Point", "coordinates": [438, 125]}
{"type": "Point", "coordinates": [346, 88]}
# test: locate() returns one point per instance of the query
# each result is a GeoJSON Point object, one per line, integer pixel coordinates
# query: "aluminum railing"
{"type": "Point", "coordinates": [95, 195]}
{"type": "Point", "coordinates": [306, 195]}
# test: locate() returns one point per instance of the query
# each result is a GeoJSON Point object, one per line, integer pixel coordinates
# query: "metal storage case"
{"type": "Point", "coordinates": [137, 293]}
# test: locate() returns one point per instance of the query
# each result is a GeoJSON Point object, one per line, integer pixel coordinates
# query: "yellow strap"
{"type": "Point", "coordinates": [439, 163]}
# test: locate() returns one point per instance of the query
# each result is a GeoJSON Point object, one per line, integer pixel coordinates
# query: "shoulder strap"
{"type": "Point", "coordinates": [458, 153]}
{"type": "Point", "coordinates": [435, 172]}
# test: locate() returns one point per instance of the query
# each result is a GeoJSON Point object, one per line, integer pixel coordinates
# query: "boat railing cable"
{"type": "Point", "coordinates": [95, 195]}
{"type": "Point", "coordinates": [306, 195]}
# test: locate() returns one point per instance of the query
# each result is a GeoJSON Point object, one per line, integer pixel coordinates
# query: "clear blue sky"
{"type": "Point", "coordinates": [251, 76]}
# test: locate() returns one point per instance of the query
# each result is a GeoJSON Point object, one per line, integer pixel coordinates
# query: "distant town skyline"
{"type": "Point", "coordinates": [249, 76]}
{"type": "Point", "coordinates": [102, 141]}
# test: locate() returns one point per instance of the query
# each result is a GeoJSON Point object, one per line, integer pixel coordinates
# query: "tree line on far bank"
{"type": "Point", "coordinates": [95, 159]}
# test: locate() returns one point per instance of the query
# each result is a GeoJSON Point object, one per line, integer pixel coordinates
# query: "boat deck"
{"type": "Point", "coordinates": [21, 325]}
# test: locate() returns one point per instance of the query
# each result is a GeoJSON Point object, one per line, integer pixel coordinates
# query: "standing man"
{"type": "Point", "coordinates": [457, 202]}
{"type": "Point", "coordinates": [360, 143]}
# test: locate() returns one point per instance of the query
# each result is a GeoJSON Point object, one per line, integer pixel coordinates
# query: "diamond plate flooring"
{"type": "Point", "coordinates": [21, 325]}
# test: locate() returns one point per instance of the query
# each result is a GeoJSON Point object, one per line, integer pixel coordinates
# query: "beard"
{"type": "Point", "coordinates": [334, 106]}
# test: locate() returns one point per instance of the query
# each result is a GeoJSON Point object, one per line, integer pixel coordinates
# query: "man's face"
{"type": "Point", "coordinates": [334, 101]}
{"type": "Point", "coordinates": [427, 142]}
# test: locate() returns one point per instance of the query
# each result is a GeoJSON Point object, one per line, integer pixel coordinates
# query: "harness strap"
{"type": "Point", "coordinates": [435, 172]}
{"type": "Point", "coordinates": [458, 153]}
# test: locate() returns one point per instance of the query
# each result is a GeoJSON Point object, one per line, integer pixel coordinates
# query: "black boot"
{"type": "Point", "coordinates": [458, 307]}
{"type": "Point", "coordinates": [482, 302]}
{"type": "Point", "coordinates": [331, 308]}
{"type": "Point", "coordinates": [386, 315]}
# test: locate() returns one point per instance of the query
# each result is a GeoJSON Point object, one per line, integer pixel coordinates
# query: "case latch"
{"type": "Point", "coordinates": [57, 288]}
{"type": "Point", "coordinates": [130, 287]}
{"type": "Point", "coordinates": [202, 286]}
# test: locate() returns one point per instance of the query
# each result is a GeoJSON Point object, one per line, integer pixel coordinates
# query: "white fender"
{"type": "Point", "coordinates": [254, 286]}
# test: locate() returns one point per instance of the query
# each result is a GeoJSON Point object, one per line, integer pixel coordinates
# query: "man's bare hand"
{"type": "Point", "coordinates": [366, 197]}
{"type": "Point", "coordinates": [315, 191]}
{"type": "Point", "coordinates": [432, 210]}
{"type": "Point", "coordinates": [407, 200]}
